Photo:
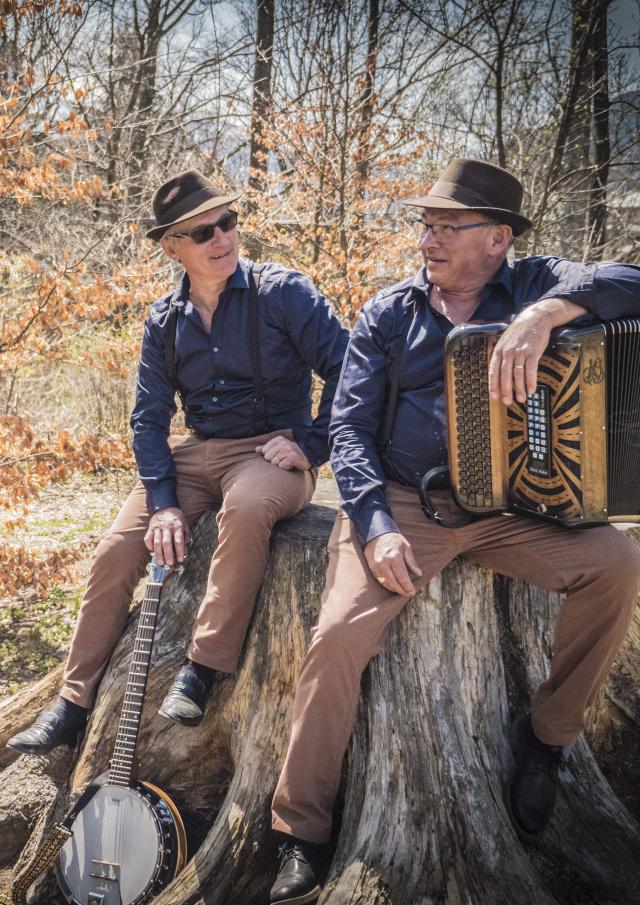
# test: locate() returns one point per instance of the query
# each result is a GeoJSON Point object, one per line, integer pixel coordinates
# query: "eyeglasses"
{"type": "Point", "coordinates": [444, 232]}
{"type": "Point", "coordinates": [202, 234]}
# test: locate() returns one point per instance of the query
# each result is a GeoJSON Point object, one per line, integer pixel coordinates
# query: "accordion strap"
{"type": "Point", "coordinates": [435, 477]}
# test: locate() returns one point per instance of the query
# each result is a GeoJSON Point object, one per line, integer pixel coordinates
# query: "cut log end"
{"type": "Point", "coordinates": [422, 815]}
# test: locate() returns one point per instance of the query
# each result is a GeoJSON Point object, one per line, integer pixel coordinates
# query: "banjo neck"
{"type": "Point", "coordinates": [121, 768]}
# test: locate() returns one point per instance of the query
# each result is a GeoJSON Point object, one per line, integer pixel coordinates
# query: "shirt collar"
{"type": "Point", "coordinates": [240, 278]}
{"type": "Point", "coordinates": [504, 277]}
{"type": "Point", "coordinates": [421, 287]}
{"type": "Point", "coordinates": [237, 280]}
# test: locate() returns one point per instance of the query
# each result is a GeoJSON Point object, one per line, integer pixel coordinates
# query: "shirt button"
{"type": "Point", "coordinates": [221, 380]}
{"type": "Point", "coordinates": [214, 398]}
{"type": "Point", "coordinates": [215, 348]}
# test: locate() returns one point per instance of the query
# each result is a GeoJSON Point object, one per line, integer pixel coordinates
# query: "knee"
{"type": "Point", "coordinates": [618, 575]}
{"type": "Point", "coordinates": [621, 565]}
{"type": "Point", "coordinates": [339, 641]}
{"type": "Point", "coordinates": [118, 555]}
{"type": "Point", "coordinates": [247, 512]}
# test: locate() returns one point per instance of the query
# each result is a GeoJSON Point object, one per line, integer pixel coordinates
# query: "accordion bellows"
{"type": "Point", "coordinates": [572, 451]}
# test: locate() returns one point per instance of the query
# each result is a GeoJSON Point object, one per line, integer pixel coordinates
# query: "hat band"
{"type": "Point", "coordinates": [188, 204]}
{"type": "Point", "coordinates": [459, 193]}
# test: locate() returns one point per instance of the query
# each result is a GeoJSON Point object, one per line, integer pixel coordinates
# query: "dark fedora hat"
{"type": "Point", "coordinates": [475, 185]}
{"type": "Point", "coordinates": [184, 196]}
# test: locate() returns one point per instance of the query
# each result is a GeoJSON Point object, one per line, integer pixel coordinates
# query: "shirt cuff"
{"type": "Point", "coordinates": [162, 495]}
{"type": "Point", "coordinates": [317, 453]}
{"type": "Point", "coordinates": [373, 524]}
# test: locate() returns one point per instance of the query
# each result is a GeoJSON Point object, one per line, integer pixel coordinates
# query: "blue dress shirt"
{"type": "Point", "coordinates": [298, 333]}
{"type": "Point", "coordinates": [419, 438]}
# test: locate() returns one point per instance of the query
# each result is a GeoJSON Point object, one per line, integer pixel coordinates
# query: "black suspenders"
{"type": "Point", "coordinates": [259, 419]}
{"type": "Point", "coordinates": [260, 425]}
{"type": "Point", "coordinates": [394, 383]}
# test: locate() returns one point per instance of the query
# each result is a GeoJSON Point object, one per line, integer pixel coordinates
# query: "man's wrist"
{"type": "Point", "coordinates": [162, 497]}
{"type": "Point", "coordinates": [556, 311]}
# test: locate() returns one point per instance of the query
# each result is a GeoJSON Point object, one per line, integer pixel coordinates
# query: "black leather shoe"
{"type": "Point", "coordinates": [530, 794]}
{"type": "Point", "coordinates": [49, 730]}
{"type": "Point", "coordinates": [187, 697]}
{"type": "Point", "coordinates": [296, 882]}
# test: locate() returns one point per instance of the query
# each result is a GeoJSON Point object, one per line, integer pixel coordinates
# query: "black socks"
{"type": "Point", "coordinates": [204, 673]}
{"type": "Point", "coordinates": [72, 715]}
{"type": "Point", "coordinates": [535, 741]}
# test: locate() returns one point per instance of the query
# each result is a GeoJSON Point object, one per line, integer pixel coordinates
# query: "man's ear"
{"type": "Point", "coordinates": [169, 249]}
{"type": "Point", "coordinates": [502, 236]}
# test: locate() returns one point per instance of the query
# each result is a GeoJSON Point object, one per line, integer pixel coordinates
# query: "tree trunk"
{"type": "Point", "coordinates": [422, 817]}
{"type": "Point", "coordinates": [601, 140]}
{"type": "Point", "coordinates": [260, 110]}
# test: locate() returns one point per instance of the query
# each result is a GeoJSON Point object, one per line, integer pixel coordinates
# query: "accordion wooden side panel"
{"type": "Point", "coordinates": [574, 488]}
{"type": "Point", "coordinates": [572, 451]}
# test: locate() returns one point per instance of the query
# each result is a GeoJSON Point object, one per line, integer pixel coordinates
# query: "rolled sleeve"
{"type": "Point", "coordinates": [151, 421]}
{"type": "Point", "coordinates": [321, 341]}
{"type": "Point", "coordinates": [357, 414]}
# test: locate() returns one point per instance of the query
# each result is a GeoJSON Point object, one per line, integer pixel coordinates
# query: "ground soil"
{"type": "Point", "coordinates": [35, 627]}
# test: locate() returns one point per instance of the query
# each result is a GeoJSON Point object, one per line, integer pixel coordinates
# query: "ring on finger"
{"type": "Point", "coordinates": [518, 367]}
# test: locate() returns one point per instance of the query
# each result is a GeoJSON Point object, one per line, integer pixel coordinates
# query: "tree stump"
{"type": "Point", "coordinates": [422, 816]}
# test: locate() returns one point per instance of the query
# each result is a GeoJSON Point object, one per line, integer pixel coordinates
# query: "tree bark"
{"type": "Point", "coordinates": [422, 816]}
{"type": "Point", "coordinates": [258, 154]}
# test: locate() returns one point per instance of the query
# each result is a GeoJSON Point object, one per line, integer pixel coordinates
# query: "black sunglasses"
{"type": "Point", "coordinates": [207, 231]}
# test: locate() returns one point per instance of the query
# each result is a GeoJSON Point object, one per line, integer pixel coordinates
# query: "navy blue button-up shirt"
{"type": "Point", "coordinates": [419, 438]}
{"type": "Point", "coordinates": [298, 333]}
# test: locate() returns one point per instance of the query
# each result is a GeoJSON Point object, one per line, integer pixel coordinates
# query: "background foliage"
{"type": "Point", "coordinates": [325, 113]}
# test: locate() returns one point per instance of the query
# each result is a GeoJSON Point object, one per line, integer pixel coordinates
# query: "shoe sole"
{"type": "Point", "coordinates": [506, 788]}
{"type": "Point", "coordinates": [183, 721]}
{"type": "Point", "coordinates": [305, 899]}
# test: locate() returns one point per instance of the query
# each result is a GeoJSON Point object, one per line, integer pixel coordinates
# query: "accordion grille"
{"type": "Point", "coordinates": [471, 391]}
{"type": "Point", "coordinates": [623, 414]}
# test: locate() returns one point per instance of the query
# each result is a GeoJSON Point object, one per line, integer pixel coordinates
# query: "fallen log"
{"type": "Point", "coordinates": [422, 821]}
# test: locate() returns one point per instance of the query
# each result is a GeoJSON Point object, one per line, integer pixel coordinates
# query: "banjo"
{"type": "Point", "coordinates": [127, 841]}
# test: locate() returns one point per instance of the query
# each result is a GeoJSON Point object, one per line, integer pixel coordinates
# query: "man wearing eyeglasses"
{"type": "Point", "coordinates": [239, 343]}
{"type": "Point", "coordinates": [383, 548]}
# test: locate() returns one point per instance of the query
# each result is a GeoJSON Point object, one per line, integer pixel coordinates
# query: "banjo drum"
{"type": "Point", "coordinates": [127, 842]}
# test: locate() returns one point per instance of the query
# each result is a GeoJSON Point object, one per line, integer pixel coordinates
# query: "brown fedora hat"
{"type": "Point", "coordinates": [184, 196]}
{"type": "Point", "coordinates": [475, 185]}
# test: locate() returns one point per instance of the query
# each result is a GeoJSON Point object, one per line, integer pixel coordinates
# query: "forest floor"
{"type": "Point", "coordinates": [35, 627]}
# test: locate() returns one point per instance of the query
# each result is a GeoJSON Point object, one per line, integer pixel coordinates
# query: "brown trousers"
{"type": "Point", "coordinates": [598, 569]}
{"type": "Point", "coordinates": [254, 495]}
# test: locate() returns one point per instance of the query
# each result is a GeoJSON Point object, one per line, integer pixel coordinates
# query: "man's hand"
{"type": "Point", "coordinates": [514, 363]}
{"type": "Point", "coordinates": [284, 453]}
{"type": "Point", "coordinates": [167, 536]}
{"type": "Point", "coordinates": [390, 557]}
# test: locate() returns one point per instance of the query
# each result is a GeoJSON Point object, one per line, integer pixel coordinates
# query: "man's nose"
{"type": "Point", "coordinates": [427, 239]}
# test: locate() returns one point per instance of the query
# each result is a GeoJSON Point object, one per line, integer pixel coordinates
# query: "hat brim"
{"type": "Point", "coordinates": [517, 222]}
{"type": "Point", "coordinates": [158, 231]}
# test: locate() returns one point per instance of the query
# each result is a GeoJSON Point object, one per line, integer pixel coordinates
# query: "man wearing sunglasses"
{"type": "Point", "coordinates": [383, 549]}
{"type": "Point", "coordinates": [239, 343]}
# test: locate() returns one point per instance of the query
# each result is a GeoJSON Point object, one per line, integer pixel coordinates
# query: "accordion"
{"type": "Point", "coordinates": [572, 451]}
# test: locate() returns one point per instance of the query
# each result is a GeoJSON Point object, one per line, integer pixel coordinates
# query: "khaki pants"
{"type": "Point", "coordinates": [598, 569]}
{"type": "Point", "coordinates": [254, 495]}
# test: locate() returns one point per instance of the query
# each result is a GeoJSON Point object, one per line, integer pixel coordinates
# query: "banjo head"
{"type": "Point", "coordinates": [123, 850]}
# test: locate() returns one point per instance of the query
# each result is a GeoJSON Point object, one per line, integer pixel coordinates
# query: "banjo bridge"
{"type": "Point", "coordinates": [105, 870]}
